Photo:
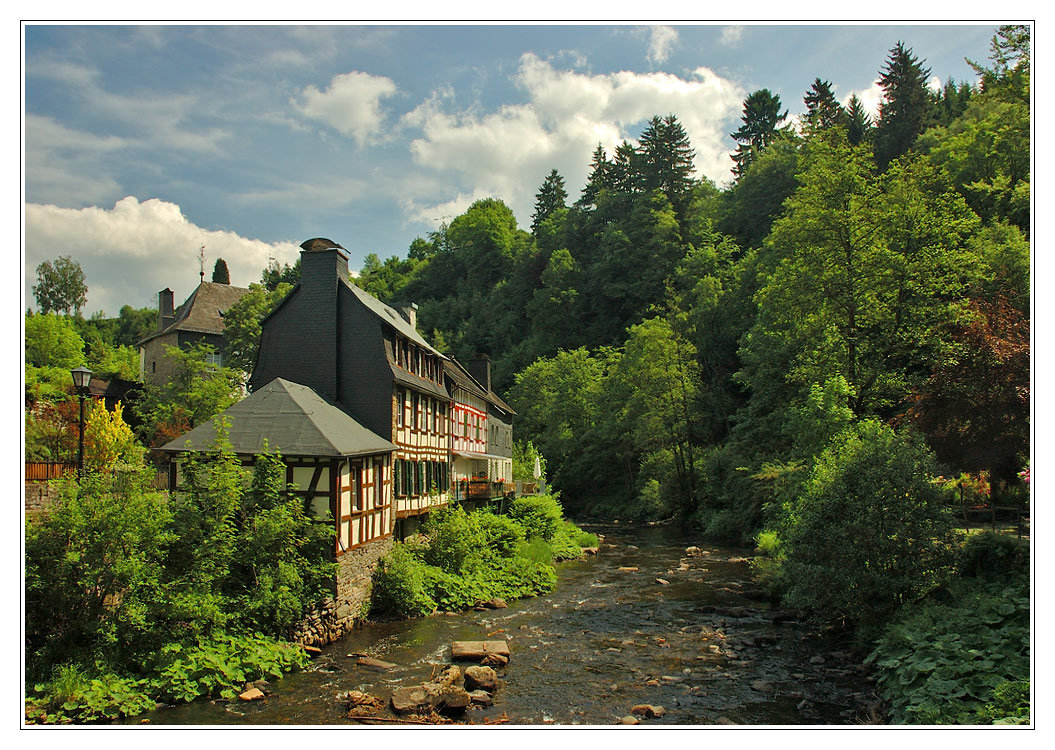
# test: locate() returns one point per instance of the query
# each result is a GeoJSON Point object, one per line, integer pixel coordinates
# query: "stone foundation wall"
{"type": "Point", "coordinates": [40, 496]}
{"type": "Point", "coordinates": [337, 616]}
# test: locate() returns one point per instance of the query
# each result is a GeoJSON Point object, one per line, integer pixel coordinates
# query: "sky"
{"type": "Point", "coordinates": [142, 143]}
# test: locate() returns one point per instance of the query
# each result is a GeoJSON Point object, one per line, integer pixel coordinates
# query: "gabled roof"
{"type": "Point", "coordinates": [462, 378]}
{"type": "Point", "coordinates": [293, 419]}
{"type": "Point", "coordinates": [392, 317]}
{"type": "Point", "coordinates": [203, 310]}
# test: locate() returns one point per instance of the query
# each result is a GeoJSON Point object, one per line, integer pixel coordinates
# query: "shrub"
{"type": "Point", "coordinates": [399, 586]}
{"type": "Point", "coordinates": [451, 538]}
{"type": "Point", "coordinates": [540, 515]}
{"type": "Point", "coordinates": [943, 662]}
{"type": "Point", "coordinates": [500, 535]}
{"type": "Point", "coordinates": [991, 555]}
{"type": "Point", "coordinates": [221, 665]}
{"type": "Point", "coordinates": [870, 531]}
{"type": "Point", "coordinates": [73, 696]}
{"type": "Point", "coordinates": [1010, 704]}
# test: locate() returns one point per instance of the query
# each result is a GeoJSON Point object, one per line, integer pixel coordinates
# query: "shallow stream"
{"type": "Point", "coordinates": [690, 633]}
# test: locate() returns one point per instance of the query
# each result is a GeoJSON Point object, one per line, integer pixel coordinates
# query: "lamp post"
{"type": "Point", "coordinates": [81, 377]}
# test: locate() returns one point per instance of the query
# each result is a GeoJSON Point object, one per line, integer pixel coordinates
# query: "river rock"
{"type": "Point", "coordinates": [803, 705]}
{"type": "Point", "coordinates": [481, 678]}
{"type": "Point", "coordinates": [630, 720]}
{"type": "Point", "coordinates": [590, 550]}
{"type": "Point", "coordinates": [497, 661]}
{"type": "Point", "coordinates": [725, 720]}
{"type": "Point", "coordinates": [451, 701]}
{"type": "Point", "coordinates": [253, 694]}
{"type": "Point", "coordinates": [481, 698]}
{"type": "Point", "coordinates": [375, 664]}
{"type": "Point", "coordinates": [409, 699]}
{"type": "Point", "coordinates": [312, 650]}
{"type": "Point", "coordinates": [495, 603]}
{"type": "Point", "coordinates": [818, 659]}
{"type": "Point", "coordinates": [662, 582]}
{"type": "Point", "coordinates": [693, 551]}
{"type": "Point", "coordinates": [628, 569]}
{"type": "Point", "coordinates": [476, 650]}
{"type": "Point", "coordinates": [762, 686]}
{"type": "Point", "coordinates": [648, 711]}
{"type": "Point", "coordinates": [449, 676]}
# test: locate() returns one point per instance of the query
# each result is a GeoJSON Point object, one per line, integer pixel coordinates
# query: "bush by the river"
{"type": "Point", "coordinates": [132, 596]}
{"type": "Point", "coordinates": [463, 558]}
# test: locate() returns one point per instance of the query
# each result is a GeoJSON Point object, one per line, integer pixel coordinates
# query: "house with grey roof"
{"type": "Point", "coordinates": [198, 319]}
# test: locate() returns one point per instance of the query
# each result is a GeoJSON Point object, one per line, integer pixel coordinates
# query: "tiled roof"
{"type": "Point", "coordinates": [293, 420]}
{"type": "Point", "coordinates": [202, 312]}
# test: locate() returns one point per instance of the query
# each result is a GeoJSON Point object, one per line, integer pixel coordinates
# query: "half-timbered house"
{"type": "Point", "coordinates": [341, 470]}
{"type": "Point", "coordinates": [368, 359]}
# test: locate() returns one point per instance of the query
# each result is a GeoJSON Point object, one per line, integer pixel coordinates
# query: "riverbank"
{"type": "Point", "coordinates": [704, 646]}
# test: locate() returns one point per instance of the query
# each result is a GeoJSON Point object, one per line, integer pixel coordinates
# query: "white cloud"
{"type": "Point", "coordinates": [151, 242]}
{"type": "Point", "coordinates": [662, 39]}
{"type": "Point", "coordinates": [934, 84]}
{"type": "Point", "coordinates": [731, 35]}
{"type": "Point", "coordinates": [507, 153]}
{"type": "Point", "coordinates": [870, 99]}
{"type": "Point", "coordinates": [351, 104]}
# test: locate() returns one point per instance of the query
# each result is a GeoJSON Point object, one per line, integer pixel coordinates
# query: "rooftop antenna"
{"type": "Point", "coordinates": [201, 263]}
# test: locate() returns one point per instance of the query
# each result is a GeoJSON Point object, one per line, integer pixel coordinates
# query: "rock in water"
{"type": "Point", "coordinates": [476, 650]}
{"type": "Point", "coordinates": [481, 698]}
{"type": "Point", "coordinates": [481, 678]}
{"type": "Point", "coordinates": [375, 664]}
{"type": "Point", "coordinates": [451, 701]}
{"type": "Point", "coordinates": [495, 660]}
{"type": "Point", "coordinates": [762, 686]}
{"type": "Point", "coordinates": [253, 694]}
{"type": "Point", "coordinates": [643, 709]}
{"type": "Point", "coordinates": [409, 699]}
{"type": "Point", "coordinates": [631, 720]}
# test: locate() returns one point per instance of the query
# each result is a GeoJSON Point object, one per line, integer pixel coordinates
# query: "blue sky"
{"type": "Point", "coordinates": [143, 143]}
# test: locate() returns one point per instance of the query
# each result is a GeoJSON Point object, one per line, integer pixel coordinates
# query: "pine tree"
{"type": "Point", "coordinates": [761, 117]}
{"type": "Point", "coordinates": [599, 179]}
{"type": "Point", "coordinates": [625, 174]}
{"type": "Point", "coordinates": [859, 124]}
{"type": "Point", "coordinates": [822, 109]}
{"type": "Point", "coordinates": [549, 198]}
{"type": "Point", "coordinates": [666, 159]}
{"type": "Point", "coordinates": [906, 100]}
{"type": "Point", "coordinates": [220, 274]}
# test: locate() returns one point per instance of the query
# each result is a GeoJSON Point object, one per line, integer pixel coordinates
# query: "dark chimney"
{"type": "Point", "coordinates": [322, 261]}
{"type": "Point", "coordinates": [166, 316]}
{"type": "Point", "coordinates": [480, 368]}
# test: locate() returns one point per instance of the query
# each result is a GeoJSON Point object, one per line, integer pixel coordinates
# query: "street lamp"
{"type": "Point", "coordinates": [81, 377]}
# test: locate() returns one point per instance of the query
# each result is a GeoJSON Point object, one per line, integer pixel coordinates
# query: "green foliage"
{"type": "Point", "coordinates": [399, 586]}
{"type": "Point", "coordinates": [994, 556]}
{"type": "Point", "coordinates": [524, 456]}
{"type": "Point", "coordinates": [942, 662]}
{"type": "Point", "coordinates": [220, 274]}
{"type": "Point", "coordinates": [71, 696]}
{"type": "Point", "coordinates": [52, 341]}
{"type": "Point", "coordinates": [540, 515]}
{"type": "Point", "coordinates": [242, 324]}
{"type": "Point", "coordinates": [870, 531]}
{"type": "Point", "coordinates": [219, 666]}
{"type": "Point", "coordinates": [60, 286]}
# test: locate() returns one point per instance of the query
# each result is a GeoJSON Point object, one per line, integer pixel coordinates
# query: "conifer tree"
{"type": "Point", "coordinates": [625, 174]}
{"type": "Point", "coordinates": [906, 100]}
{"type": "Point", "coordinates": [822, 109]}
{"type": "Point", "coordinates": [220, 274]}
{"type": "Point", "coordinates": [761, 117]}
{"type": "Point", "coordinates": [859, 124]}
{"type": "Point", "coordinates": [549, 198]}
{"type": "Point", "coordinates": [666, 159]}
{"type": "Point", "coordinates": [599, 179]}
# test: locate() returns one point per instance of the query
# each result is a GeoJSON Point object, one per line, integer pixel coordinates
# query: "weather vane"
{"type": "Point", "coordinates": [201, 263]}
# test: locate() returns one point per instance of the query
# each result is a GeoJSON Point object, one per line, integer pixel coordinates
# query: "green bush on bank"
{"type": "Point", "coordinates": [963, 659]}
{"type": "Point", "coordinates": [463, 558]}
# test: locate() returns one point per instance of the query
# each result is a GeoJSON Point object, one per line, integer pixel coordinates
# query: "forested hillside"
{"type": "Point", "coordinates": [678, 349]}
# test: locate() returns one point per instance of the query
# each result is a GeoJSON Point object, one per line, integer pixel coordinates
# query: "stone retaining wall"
{"type": "Point", "coordinates": [40, 496]}
{"type": "Point", "coordinates": [336, 617]}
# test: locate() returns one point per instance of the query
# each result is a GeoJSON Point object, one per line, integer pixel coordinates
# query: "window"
{"type": "Point", "coordinates": [401, 397]}
{"type": "Point", "coordinates": [214, 358]}
{"type": "Point", "coordinates": [414, 410]}
{"type": "Point", "coordinates": [379, 477]}
{"type": "Point", "coordinates": [357, 470]}
{"type": "Point", "coordinates": [397, 477]}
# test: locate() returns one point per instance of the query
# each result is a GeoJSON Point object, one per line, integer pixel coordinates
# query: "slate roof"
{"type": "Point", "coordinates": [202, 311]}
{"type": "Point", "coordinates": [461, 377]}
{"type": "Point", "coordinates": [293, 419]}
{"type": "Point", "coordinates": [392, 317]}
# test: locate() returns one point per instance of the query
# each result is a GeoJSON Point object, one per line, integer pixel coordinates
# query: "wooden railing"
{"type": "Point", "coordinates": [42, 471]}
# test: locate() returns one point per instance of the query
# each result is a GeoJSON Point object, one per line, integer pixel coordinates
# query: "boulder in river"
{"type": "Point", "coordinates": [496, 603]}
{"type": "Point", "coordinates": [481, 698]}
{"type": "Point", "coordinates": [693, 551]}
{"type": "Point", "coordinates": [476, 650]}
{"type": "Point", "coordinates": [648, 710]}
{"type": "Point", "coordinates": [497, 661]}
{"type": "Point", "coordinates": [630, 720]}
{"type": "Point", "coordinates": [451, 701]}
{"type": "Point", "coordinates": [409, 699]}
{"type": "Point", "coordinates": [253, 694]}
{"type": "Point", "coordinates": [481, 678]}
{"type": "Point", "coordinates": [375, 664]}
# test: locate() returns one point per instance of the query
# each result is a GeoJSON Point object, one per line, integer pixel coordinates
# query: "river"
{"type": "Point", "coordinates": [690, 633]}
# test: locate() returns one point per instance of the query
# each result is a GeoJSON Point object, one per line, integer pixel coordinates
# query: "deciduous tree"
{"type": "Point", "coordinates": [60, 286]}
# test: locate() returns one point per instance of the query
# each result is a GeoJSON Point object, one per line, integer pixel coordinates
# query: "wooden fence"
{"type": "Point", "coordinates": [42, 471]}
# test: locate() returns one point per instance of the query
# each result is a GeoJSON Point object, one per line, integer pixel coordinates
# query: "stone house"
{"type": "Point", "coordinates": [198, 319]}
